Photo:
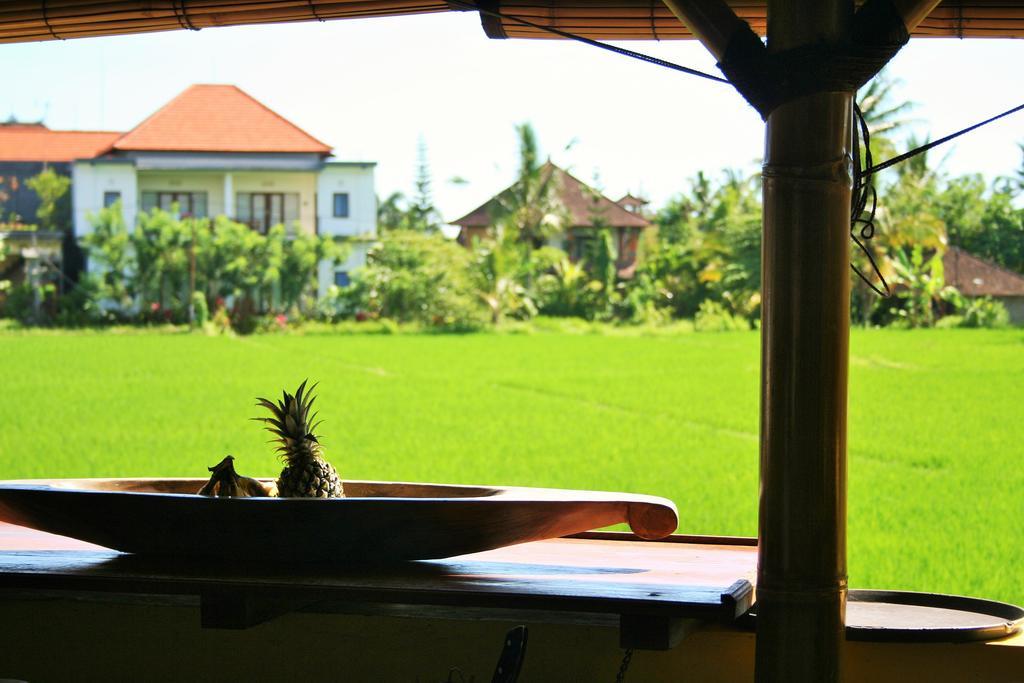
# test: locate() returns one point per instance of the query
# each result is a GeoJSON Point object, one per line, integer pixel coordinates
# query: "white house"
{"type": "Point", "coordinates": [215, 150]}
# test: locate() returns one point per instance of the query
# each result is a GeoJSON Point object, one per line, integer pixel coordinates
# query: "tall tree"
{"type": "Point", "coordinates": [709, 246]}
{"type": "Point", "coordinates": [54, 212]}
{"type": "Point", "coordinates": [884, 113]}
{"type": "Point", "coordinates": [907, 212]}
{"type": "Point", "coordinates": [984, 221]}
{"type": "Point", "coordinates": [422, 214]}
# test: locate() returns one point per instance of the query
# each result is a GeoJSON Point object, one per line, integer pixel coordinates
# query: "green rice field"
{"type": "Point", "coordinates": [936, 432]}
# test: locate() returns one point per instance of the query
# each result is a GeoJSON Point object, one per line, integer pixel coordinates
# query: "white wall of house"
{"type": "Point", "coordinates": [186, 181]}
{"type": "Point", "coordinates": [357, 181]}
{"type": "Point", "coordinates": [221, 188]}
{"type": "Point", "coordinates": [328, 273]}
{"type": "Point", "coordinates": [316, 190]}
{"type": "Point", "coordinates": [90, 181]}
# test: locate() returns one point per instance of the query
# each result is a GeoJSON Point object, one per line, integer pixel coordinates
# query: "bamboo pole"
{"type": "Point", "coordinates": [801, 584]}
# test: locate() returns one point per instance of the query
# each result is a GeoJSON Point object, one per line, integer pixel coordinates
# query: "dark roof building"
{"type": "Point", "coordinates": [974, 276]}
{"type": "Point", "coordinates": [587, 210]}
{"type": "Point", "coordinates": [633, 204]}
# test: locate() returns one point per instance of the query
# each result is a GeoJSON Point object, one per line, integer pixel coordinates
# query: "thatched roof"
{"type": "Point", "coordinates": [33, 20]}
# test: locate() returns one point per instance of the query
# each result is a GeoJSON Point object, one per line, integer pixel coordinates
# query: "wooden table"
{"type": "Point", "coordinates": [574, 593]}
{"type": "Point", "coordinates": [657, 591]}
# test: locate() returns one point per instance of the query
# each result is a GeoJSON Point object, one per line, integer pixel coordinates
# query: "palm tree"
{"type": "Point", "coordinates": [883, 114]}
{"type": "Point", "coordinates": [532, 208]}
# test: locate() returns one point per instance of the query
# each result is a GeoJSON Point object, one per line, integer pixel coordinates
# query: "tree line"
{"type": "Point", "coordinates": [700, 261]}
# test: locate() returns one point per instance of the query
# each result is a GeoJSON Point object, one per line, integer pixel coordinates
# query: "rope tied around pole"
{"type": "Point", "coordinates": [768, 80]}
{"type": "Point", "coordinates": [863, 192]}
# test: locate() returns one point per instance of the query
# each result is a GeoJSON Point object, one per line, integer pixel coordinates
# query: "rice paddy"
{"type": "Point", "coordinates": [936, 425]}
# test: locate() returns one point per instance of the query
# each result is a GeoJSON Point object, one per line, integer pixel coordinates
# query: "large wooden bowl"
{"type": "Point", "coordinates": [377, 522]}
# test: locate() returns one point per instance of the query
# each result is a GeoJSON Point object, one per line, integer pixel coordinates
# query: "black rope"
{"type": "Point", "coordinates": [46, 20]}
{"type": "Point", "coordinates": [871, 170]}
{"type": "Point", "coordinates": [588, 41]}
{"type": "Point", "coordinates": [863, 192]}
{"type": "Point", "coordinates": [624, 666]}
{"type": "Point", "coordinates": [862, 218]}
{"type": "Point", "coordinates": [312, 9]}
{"type": "Point", "coordinates": [182, 16]}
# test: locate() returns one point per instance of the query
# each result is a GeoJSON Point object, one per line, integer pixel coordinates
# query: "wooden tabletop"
{"type": "Point", "coordinates": [599, 573]}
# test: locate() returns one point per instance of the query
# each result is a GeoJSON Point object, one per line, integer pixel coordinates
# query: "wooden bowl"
{"type": "Point", "coordinates": [376, 522]}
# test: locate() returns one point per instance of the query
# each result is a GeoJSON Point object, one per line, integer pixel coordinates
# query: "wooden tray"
{"type": "Point", "coordinates": [377, 522]}
{"type": "Point", "coordinates": [908, 617]}
{"type": "Point", "coordinates": [888, 616]}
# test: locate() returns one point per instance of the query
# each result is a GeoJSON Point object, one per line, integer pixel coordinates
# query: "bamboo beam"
{"type": "Point", "coordinates": [712, 22]}
{"type": "Point", "coordinates": [801, 586]}
{"type": "Point", "coordinates": [914, 11]}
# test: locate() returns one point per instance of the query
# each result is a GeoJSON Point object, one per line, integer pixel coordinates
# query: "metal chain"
{"type": "Point", "coordinates": [626, 659]}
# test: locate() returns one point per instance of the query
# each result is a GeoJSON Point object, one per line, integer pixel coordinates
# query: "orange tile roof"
{"type": "Point", "coordinates": [218, 118]}
{"type": "Point", "coordinates": [37, 143]}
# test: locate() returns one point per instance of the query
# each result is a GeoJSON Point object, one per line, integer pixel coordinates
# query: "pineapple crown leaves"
{"type": "Point", "coordinates": [291, 421]}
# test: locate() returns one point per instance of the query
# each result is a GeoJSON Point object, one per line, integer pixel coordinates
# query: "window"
{"type": "Point", "coordinates": [263, 210]}
{"type": "Point", "coordinates": [341, 278]}
{"type": "Point", "coordinates": [341, 205]}
{"type": "Point", "coordinates": [189, 204]}
{"type": "Point", "coordinates": [110, 198]}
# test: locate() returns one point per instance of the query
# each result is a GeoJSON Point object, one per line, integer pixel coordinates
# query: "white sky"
{"type": "Point", "coordinates": [371, 88]}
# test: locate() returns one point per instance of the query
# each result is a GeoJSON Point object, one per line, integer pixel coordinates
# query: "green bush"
{"type": "Point", "coordinates": [419, 278]}
{"type": "Point", "coordinates": [714, 317]}
{"type": "Point", "coordinates": [985, 312]}
{"type": "Point", "coordinates": [200, 310]}
{"type": "Point", "coordinates": [948, 322]}
{"type": "Point", "coordinates": [569, 291]}
{"type": "Point", "coordinates": [146, 273]}
{"type": "Point", "coordinates": [18, 304]}
{"type": "Point", "coordinates": [82, 306]}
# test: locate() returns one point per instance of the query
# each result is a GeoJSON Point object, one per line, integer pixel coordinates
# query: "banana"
{"type": "Point", "coordinates": [226, 483]}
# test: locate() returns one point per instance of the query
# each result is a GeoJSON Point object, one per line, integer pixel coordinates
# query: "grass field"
{"type": "Point", "coordinates": [936, 425]}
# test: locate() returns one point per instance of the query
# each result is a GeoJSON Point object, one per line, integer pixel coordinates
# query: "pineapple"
{"type": "Point", "coordinates": [306, 474]}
